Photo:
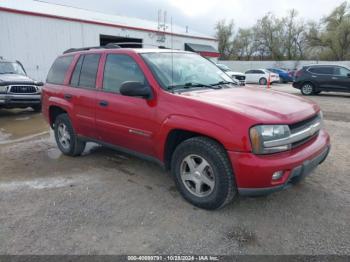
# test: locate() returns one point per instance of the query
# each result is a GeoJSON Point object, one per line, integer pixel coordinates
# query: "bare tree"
{"type": "Point", "coordinates": [224, 34]}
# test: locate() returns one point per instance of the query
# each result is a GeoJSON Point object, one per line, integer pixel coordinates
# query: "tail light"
{"type": "Point", "coordinates": [298, 73]}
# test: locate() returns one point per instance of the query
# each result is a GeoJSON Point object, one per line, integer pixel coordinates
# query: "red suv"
{"type": "Point", "coordinates": [181, 111]}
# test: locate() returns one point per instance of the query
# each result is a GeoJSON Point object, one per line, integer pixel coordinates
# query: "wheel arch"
{"type": "Point", "coordinates": [54, 112]}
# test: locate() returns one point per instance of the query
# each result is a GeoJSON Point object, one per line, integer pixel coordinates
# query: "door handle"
{"type": "Point", "coordinates": [334, 78]}
{"type": "Point", "coordinates": [67, 96]}
{"type": "Point", "coordinates": [103, 103]}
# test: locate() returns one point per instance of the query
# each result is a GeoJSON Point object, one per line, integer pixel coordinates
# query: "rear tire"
{"type": "Point", "coordinates": [263, 81]}
{"type": "Point", "coordinates": [307, 89]}
{"type": "Point", "coordinates": [66, 138]}
{"type": "Point", "coordinates": [203, 173]}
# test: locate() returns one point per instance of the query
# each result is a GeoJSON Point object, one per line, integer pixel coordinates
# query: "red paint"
{"type": "Point", "coordinates": [209, 54]}
{"type": "Point", "coordinates": [224, 115]}
{"type": "Point", "coordinates": [98, 23]}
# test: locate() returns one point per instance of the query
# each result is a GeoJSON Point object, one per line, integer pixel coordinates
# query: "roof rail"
{"type": "Point", "coordinates": [112, 46]}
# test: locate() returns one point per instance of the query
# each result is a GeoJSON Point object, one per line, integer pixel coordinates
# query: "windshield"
{"type": "Point", "coordinates": [182, 69]}
{"type": "Point", "coordinates": [223, 67]}
{"type": "Point", "coordinates": [11, 68]}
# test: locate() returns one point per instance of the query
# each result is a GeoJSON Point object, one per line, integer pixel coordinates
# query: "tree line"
{"type": "Point", "coordinates": [288, 38]}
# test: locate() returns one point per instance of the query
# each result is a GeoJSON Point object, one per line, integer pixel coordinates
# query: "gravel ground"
{"type": "Point", "coordinates": [105, 202]}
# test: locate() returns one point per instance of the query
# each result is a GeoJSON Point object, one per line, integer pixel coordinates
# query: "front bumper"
{"type": "Point", "coordinates": [253, 173]}
{"type": "Point", "coordinates": [11, 100]}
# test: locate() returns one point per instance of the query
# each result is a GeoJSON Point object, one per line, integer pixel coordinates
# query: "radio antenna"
{"type": "Point", "coordinates": [172, 51]}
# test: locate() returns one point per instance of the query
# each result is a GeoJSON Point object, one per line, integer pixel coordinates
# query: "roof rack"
{"type": "Point", "coordinates": [112, 46]}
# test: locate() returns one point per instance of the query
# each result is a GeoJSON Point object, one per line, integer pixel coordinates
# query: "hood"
{"type": "Point", "coordinates": [9, 79]}
{"type": "Point", "coordinates": [261, 105]}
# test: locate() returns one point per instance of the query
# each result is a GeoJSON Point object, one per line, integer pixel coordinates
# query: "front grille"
{"type": "Point", "coordinates": [241, 78]}
{"type": "Point", "coordinates": [23, 89]}
{"type": "Point", "coordinates": [302, 125]}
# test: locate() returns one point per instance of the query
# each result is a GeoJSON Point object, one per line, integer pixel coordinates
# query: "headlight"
{"type": "Point", "coordinates": [3, 89]}
{"type": "Point", "coordinates": [38, 88]}
{"type": "Point", "coordinates": [265, 133]}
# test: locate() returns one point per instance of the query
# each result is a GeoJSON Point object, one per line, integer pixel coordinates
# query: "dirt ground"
{"type": "Point", "coordinates": [105, 202]}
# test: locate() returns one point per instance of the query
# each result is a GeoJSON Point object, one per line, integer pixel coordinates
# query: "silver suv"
{"type": "Point", "coordinates": [17, 90]}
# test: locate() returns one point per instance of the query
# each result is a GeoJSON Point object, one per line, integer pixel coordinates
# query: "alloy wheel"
{"type": "Point", "coordinates": [197, 175]}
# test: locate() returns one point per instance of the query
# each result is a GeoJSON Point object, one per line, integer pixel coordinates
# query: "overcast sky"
{"type": "Point", "coordinates": [201, 15]}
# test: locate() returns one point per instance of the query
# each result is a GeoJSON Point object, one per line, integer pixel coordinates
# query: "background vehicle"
{"type": "Point", "coordinates": [261, 76]}
{"type": "Point", "coordinates": [314, 79]}
{"type": "Point", "coordinates": [16, 88]}
{"type": "Point", "coordinates": [177, 109]}
{"type": "Point", "coordinates": [285, 76]}
{"type": "Point", "coordinates": [240, 77]}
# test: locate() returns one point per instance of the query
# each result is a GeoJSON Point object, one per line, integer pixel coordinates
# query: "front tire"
{"type": "Point", "coordinates": [307, 89]}
{"type": "Point", "coordinates": [203, 173]}
{"type": "Point", "coordinates": [66, 138]}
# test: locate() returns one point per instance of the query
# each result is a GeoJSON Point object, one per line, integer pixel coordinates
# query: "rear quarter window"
{"type": "Point", "coordinates": [59, 69]}
{"type": "Point", "coordinates": [322, 70]}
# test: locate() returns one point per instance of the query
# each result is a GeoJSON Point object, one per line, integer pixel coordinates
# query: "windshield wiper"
{"type": "Point", "coordinates": [193, 84]}
{"type": "Point", "coordinates": [222, 83]}
{"type": "Point", "coordinates": [7, 72]}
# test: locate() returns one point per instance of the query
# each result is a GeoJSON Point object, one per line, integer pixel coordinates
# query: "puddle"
{"type": "Point", "coordinates": [41, 183]}
{"type": "Point", "coordinates": [18, 124]}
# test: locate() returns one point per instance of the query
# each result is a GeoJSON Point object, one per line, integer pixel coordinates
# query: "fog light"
{"type": "Point", "coordinates": [277, 175]}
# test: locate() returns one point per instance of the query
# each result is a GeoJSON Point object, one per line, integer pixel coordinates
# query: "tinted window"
{"type": "Point", "coordinates": [76, 73]}
{"type": "Point", "coordinates": [259, 72]}
{"type": "Point", "coordinates": [249, 72]}
{"type": "Point", "coordinates": [341, 71]}
{"type": "Point", "coordinates": [322, 70]}
{"type": "Point", "coordinates": [88, 71]}
{"type": "Point", "coordinates": [58, 70]}
{"type": "Point", "coordinates": [119, 69]}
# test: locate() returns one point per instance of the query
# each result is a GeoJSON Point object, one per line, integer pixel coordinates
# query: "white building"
{"type": "Point", "coordinates": [35, 33]}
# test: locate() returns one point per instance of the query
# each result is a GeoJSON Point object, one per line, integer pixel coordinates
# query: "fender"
{"type": "Point", "coordinates": [220, 133]}
{"type": "Point", "coordinates": [64, 104]}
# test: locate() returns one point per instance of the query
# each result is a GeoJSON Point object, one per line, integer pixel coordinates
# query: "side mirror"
{"type": "Point", "coordinates": [349, 75]}
{"type": "Point", "coordinates": [131, 88]}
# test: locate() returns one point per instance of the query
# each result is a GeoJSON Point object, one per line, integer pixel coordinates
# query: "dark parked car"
{"type": "Point", "coordinates": [16, 88]}
{"type": "Point", "coordinates": [285, 76]}
{"type": "Point", "coordinates": [314, 79]}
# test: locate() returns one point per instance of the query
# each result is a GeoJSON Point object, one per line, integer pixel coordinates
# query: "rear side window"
{"type": "Point", "coordinates": [324, 70]}
{"type": "Point", "coordinates": [119, 69]}
{"type": "Point", "coordinates": [88, 71]}
{"type": "Point", "coordinates": [58, 70]}
{"type": "Point", "coordinates": [76, 73]}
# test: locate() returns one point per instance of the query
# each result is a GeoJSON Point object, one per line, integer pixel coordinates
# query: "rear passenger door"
{"type": "Point", "coordinates": [322, 76]}
{"type": "Point", "coordinates": [82, 93]}
{"type": "Point", "coordinates": [124, 121]}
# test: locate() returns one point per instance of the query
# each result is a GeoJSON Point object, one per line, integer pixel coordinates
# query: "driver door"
{"type": "Point", "coordinates": [124, 121]}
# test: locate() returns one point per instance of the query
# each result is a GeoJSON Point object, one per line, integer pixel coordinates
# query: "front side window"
{"type": "Point", "coordinates": [11, 68]}
{"type": "Point", "coordinates": [341, 71]}
{"type": "Point", "coordinates": [59, 69]}
{"type": "Point", "coordinates": [181, 69]}
{"type": "Point", "coordinates": [120, 69]}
